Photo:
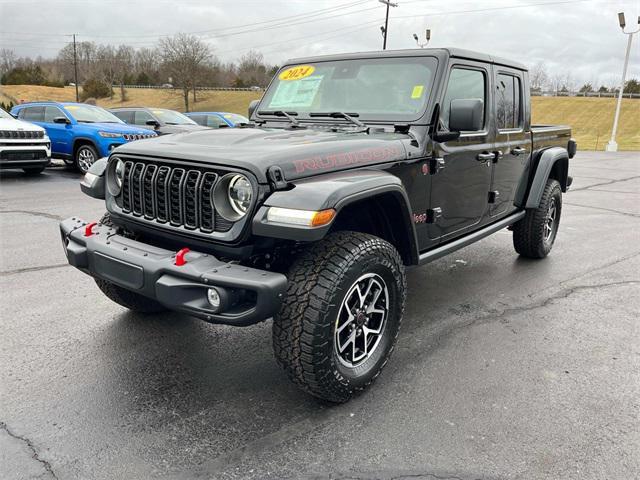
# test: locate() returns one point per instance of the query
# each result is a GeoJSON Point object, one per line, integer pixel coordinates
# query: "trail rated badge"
{"type": "Point", "coordinates": [296, 73]}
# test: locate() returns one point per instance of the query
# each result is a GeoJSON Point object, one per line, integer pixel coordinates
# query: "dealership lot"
{"type": "Point", "coordinates": [505, 367]}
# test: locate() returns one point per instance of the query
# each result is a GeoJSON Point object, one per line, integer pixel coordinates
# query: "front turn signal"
{"type": "Point", "coordinates": [306, 218]}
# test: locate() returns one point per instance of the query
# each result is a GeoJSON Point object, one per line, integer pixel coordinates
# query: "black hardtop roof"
{"type": "Point", "coordinates": [422, 52]}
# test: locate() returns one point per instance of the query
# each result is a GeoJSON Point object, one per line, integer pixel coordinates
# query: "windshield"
{"type": "Point", "coordinates": [375, 89]}
{"type": "Point", "coordinates": [91, 114]}
{"type": "Point", "coordinates": [172, 118]}
{"type": "Point", "coordinates": [4, 114]}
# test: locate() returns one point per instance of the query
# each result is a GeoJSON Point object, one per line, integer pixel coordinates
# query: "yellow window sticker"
{"type": "Point", "coordinates": [417, 91]}
{"type": "Point", "coordinates": [296, 73]}
{"type": "Point", "coordinates": [157, 112]}
{"type": "Point", "coordinates": [71, 107]}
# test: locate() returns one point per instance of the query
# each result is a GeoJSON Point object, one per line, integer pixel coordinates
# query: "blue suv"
{"type": "Point", "coordinates": [79, 133]}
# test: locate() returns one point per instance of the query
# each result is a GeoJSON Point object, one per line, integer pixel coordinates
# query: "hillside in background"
{"type": "Point", "coordinates": [590, 118]}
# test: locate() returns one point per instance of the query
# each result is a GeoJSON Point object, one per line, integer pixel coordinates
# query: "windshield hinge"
{"type": "Point", "coordinates": [276, 178]}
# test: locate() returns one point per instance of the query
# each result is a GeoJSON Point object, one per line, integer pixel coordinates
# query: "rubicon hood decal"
{"type": "Point", "coordinates": [336, 161]}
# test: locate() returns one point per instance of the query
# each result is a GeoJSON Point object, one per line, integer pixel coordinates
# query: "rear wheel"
{"type": "Point", "coordinates": [340, 320]}
{"type": "Point", "coordinates": [534, 235]}
{"type": "Point", "coordinates": [86, 155]}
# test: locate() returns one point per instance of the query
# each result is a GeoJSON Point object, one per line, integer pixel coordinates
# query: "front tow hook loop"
{"type": "Point", "coordinates": [88, 230]}
{"type": "Point", "coordinates": [180, 257]}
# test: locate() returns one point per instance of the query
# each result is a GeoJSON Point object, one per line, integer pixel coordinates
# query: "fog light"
{"type": "Point", "coordinates": [213, 296]}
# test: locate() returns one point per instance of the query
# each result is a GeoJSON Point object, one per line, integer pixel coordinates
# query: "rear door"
{"type": "Point", "coordinates": [459, 194]}
{"type": "Point", "coordinates": [512, 138]}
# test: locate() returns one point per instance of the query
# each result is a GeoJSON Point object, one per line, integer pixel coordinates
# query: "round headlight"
{"type": "Point", "coordinates": [119, 172]}
{"type": "Point", "coordinates": [115, 176]}
{"type": "Point", "coordinates": [240, 194]}
{"type": "Point", "coordinates": [232, 196]}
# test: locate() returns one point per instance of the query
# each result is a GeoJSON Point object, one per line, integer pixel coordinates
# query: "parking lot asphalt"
{"type": "Point", "coordinates": [504, 368]}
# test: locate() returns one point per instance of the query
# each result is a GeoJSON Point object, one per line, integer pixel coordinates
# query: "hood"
{"type": "Point", "coordinates": [13, 124]}
{"type": "Point", "coordinates": [117, 128]}
{"type": "Point", "coordinates": [166, 129]}
{"type": "Point", "coordinates": [299, 153]}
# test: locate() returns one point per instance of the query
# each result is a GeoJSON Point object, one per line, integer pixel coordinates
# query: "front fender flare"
{"type": "Point", "coordinates": [334, 190]}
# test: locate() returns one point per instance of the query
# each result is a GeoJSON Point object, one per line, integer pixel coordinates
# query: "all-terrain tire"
{"type": "Point", "coordinates": [534, 235]}
{"type": "Point", "coordinates": [320, 280]}
{"type": "Point", "coordinates": [128, 299]}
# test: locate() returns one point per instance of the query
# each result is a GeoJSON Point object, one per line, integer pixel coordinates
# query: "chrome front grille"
{"type": "Point", "coordinates": [21, 134]}
{"type": "Point", "coordinates": [171, 195]}
{"type": "Point", "coordinates": [129, 137]}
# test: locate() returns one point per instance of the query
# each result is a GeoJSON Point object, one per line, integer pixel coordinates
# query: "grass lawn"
{"type": "Point", "coordinates": [590, 118]}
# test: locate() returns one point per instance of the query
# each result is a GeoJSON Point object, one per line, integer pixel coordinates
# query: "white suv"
{"type": "Point", "coordinates": [23, 145]}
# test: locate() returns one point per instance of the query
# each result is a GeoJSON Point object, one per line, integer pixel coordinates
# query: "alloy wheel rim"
{"type": "Point", "coordinates": [550, 221]}
{"type": "Point", "coordinates": [85, 159]}
{"type": "Point", "coordinates": [361, 320]}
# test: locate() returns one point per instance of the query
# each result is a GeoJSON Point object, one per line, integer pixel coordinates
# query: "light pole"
{"type": "Point", "coordinates": [612, 146]}
{"type": "Point", "coordinates": [385, 29]}
{"type": "Point", "coordinates": [427, 36]}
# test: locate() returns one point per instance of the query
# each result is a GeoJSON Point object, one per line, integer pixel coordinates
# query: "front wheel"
{"type": "Point", "coordinates": [341, 317]}
{"type": "Point", "coordinates": [534, 235]}
{"type": "Point", "coordinates": [86, 155]}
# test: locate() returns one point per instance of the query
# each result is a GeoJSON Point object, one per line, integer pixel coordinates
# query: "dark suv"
{"type": "Point", "coordinates": [161, 120]}
{"type": "Point", "coordinates": [355, 168]}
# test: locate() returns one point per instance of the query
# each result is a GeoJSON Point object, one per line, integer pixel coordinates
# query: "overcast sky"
{"type": "Point", "coordinates": [577, 36]}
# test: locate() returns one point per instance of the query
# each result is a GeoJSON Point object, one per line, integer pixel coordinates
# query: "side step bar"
{"type": "Point", "coordinates": [467, 240]}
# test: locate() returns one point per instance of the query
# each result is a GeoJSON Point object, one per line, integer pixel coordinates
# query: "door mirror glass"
{"type": "Point", "coordinates": [61, 120]}
{"type": "Point", "coordinates": [252, 106]}
{"type": "Point", "coordinates": [152, 123]}
{"type": "Point", "coordinates": [466, 115]}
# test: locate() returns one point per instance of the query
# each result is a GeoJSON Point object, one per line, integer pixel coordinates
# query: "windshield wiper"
{"type": "Point", "coordinates": [346, 116]}
{"type": "Point", "coordinates": [86, 121]}
{"type": "Point", "coordinates": [280, 113]}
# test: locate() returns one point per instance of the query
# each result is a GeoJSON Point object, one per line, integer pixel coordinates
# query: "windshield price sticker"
{"type": "Point", "coordinates": [296, 73]}
{"type": "Point", "coordinates": [417, 91]}
{"type": "Point", "coordinates": [296, 94]}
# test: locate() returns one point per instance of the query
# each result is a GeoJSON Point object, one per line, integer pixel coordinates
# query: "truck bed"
{"type": "Point", "coordinates": [543, 136]}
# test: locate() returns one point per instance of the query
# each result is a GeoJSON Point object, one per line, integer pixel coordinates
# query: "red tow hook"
{"type": "Point", "coordinates": [180, 260]}
{"type": "Point", "coordinates": [88, 230]}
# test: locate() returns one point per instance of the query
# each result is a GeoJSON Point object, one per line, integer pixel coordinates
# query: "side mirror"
{"type": "Point", "coordinates": [467, 115]}
{"type": "Point", "coordinates": [93, 182]}
{"type": "Point", "coordinates": [152, 123]}
{"type": "Point", "coordinates": [61, 120]}
{"type": "Point", "coordinates": [252, 106]}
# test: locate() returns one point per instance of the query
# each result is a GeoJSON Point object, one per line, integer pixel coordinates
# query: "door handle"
{"type": "Point", "coordinates": [518, 151]}
{"type": "Point", "coordinates": [485, 156]}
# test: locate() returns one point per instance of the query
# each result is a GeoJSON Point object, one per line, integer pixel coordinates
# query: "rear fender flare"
{"type": "Point", "coordinates": [555, 157]}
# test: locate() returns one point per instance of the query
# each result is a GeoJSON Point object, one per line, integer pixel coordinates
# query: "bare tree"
{"type": "Point", "coordinates": [538, 76]}
{"type": "Point", "coordinates": [7, 60]}
{"type": "Point", "coordinates": [182, 57]}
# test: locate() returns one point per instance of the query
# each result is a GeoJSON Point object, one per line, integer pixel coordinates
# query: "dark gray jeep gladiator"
{"type": "Point", "coordinates": [353, 168]}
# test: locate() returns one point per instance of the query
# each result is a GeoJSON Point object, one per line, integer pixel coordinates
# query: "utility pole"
{"type": "Point", "coordinates": [75, 66]}
{"type": "Point", "coordinates": [612, 146]}
{"type": "Point", "coordinates": [385, 29]}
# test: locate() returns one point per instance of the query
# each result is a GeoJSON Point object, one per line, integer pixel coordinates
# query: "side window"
{"type": "Point", "coordinates": [52, 112]}
{"type": "Point", "coordinates": [125, 116]}
{"type": "Point", "coordinates": [32, 114]}
{"type": "Point", "coordinates": [215, 122]}
{"type": "Point", "coordinates": [142, 117]}
{"type": "Point", "coordinates": [464, 83]}
{"type": "Point", "coordinates": [508, 101]}
{"type": "Point", "coordinates": [199, 119]}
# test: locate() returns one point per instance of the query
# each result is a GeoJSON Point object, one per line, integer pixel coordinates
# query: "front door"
{"type": "Point", "coordinates": [513, 138]}
{"type": "Point", "coordinates": [60, 134]}
{"type": "Point", "coordinates": [459, 194]}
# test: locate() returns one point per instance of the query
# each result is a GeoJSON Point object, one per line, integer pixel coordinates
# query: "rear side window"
{"type": "Point", "coordinates": [126, 117]}
{"type": "Point", "coordinates": [52, 112]}
{"type": "Point", "coordinates": [199, 119]}
{"type": "Point", "coordinates": [464, 83]}
{"type": "Point", "coordinates": [32, 114]}
{"type": "Point", "coordinates": [508, 101]}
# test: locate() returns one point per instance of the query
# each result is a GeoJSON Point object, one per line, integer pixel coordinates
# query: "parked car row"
{"type": "Point", "coordinates": [80, 133]}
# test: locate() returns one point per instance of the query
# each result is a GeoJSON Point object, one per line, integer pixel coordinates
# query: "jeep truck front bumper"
{"type": "Point", "coordinates": [248, 295]}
